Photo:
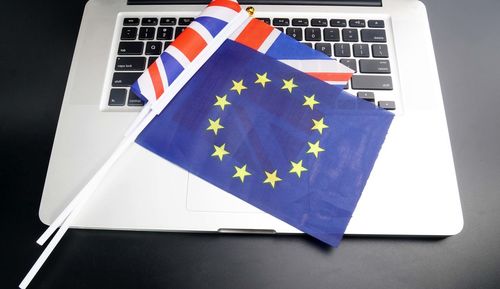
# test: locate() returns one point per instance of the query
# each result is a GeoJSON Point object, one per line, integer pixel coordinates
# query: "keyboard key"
{"type": "Point", "coordinates": [338, 23]}
{"type": "Point", "coordinates": [178, 30]}
{"type": "Point", "coordinates": [124, 79]}
{"type": "Point", "coordinates": [357, 23]}
{"type": "Point", "coordinates": [300, 22]}
{"type": "Point", "coordinates": [153, 48]}
{"type": "Point", "coordinates": [265, 20]}
{"type": "Point", "coordinates": [147, 33]}
{"type": "Point", "coordinates": [117, 97]}
{"type": "Point", "coordinates": [152, 59]}
{"type": "Point", "coordinates": [295, 33]}
{"type": "Point", "coordinates": [128, 33]}
{"type": "Point", "coordinates": [281, 22]}
{"type": "Point", "coordinates": [360, 50]}
{"type": "Point", "coordinates": [130, 21]}
{"type": "Point", "coordinates": [149, 21]}
{"type": "Point", "coordinates": [185, 21]}
{"type": "Point", "coordinates": [331, 34]}
{"type": "Point", "coordinates": [130, 63]}
{"type": "Point", "coordinates": [134, 100]}
{"type": "Point", "coordinates": [374, 66]}
{"type": "Point", "coordinates": [342, 50]}
{"type": "Point", "coordinates": [366, 95]}
{"type": "Point", "coordinates": [130, 48]}
{"type": "Point", "coordinates": [168, 21]}
{"type": "Point", "coordinates": [349, 35]}
{"type": "Point", "coordinates": [319, 22]}
{"type": "Point", "coordinates": [165, 33]}
{"type": "Point", "coordinates": [371, 82]}
{"type": "Point", "coordinates": [326, 48]}
{"type": "Point", "coordinates": [167, 43]}
{"type": "Point", "coordinates": [373, 35]}
{"type": "Point", "coordinates": [389, 105]}
{"type": "Point", "coordinates": [313, 34]}
{"type": "Point", "coordinates": [380, 51]}
{"type": "Point", "coordinates": [280, 29]}
{"type": "Point", "coordinates": [308, 44]}
{"type": "Point", "coordinates": [351, 63]}
{"type": "Point", "coordinates": [376, 23]}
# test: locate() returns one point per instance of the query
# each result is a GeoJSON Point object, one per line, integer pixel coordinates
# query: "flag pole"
{"type": "Point", "coordinates": [66, 217]}
{"type": "Point", "coordinates": [156, 107]}
{"type": "Point", "coordinates": [78, 202]}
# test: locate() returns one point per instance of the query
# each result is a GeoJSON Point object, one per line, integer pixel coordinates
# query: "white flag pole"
{"type": "Point", "coordinates": [96, 179]}
{"type": "Point", "coordinates": [78, 202]}
{"type": "Point", "coordinates": [157, 107]}
{"type": "Point", "coordinates": [144, 112]}
{"type": "Point", "coordinates": [67, 216]}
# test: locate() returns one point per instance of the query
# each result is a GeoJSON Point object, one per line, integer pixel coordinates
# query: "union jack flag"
{"type": "Point", "coordinates": [252, 33]}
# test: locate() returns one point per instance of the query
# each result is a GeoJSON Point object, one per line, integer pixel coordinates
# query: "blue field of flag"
{"type": "Point", "coordinates": [287, 143]}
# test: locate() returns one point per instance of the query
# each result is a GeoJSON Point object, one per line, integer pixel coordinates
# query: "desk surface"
{"type": "Point", "coordinates": [36, 50]}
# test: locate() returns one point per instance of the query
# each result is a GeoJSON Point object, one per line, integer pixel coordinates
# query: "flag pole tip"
{"type": "Point", "coordinates": [250, 10]}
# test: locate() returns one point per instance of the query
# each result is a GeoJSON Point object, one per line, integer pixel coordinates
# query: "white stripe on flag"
{"type": "Point", "coordinates": [336, 82]}
{"type": "Point", "coordinates": [238, 31]}
{"type": "Point", "coordinates": [317, 65]}
{"type": "Point", "coordinates": [163, 74]}
{"type": "Point", "coordinates": [146, 86]}
{"type": "Point", "coordinates": [178, 55]}
{"type": "Point", "coordinates": [219, 12]}
{"type": "Point", "coordinates": [204, 33]}
{"type": "Point", "coordinates": [269, 41]}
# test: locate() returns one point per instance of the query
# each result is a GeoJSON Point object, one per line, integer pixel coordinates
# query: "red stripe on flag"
{"type": "Point", "coordinates": [331, 76]}
{"type": "Point", "coordinates": [254, 34]}
{"type": "Point", "coordinates": [154, 73]}
{"type": "Point", "coordinates": [225, 3]}
{"type": "Point", "coordinates": [190, 43]}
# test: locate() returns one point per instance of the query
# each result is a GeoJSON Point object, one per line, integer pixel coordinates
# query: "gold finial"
{"type": "Point", "coordinates": [250, 10]}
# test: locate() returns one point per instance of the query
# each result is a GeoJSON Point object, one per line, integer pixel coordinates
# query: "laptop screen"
{"type": "Point", "coordinates": [291, 2]}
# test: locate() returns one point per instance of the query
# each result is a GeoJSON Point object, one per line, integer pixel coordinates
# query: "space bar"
{"type": "Point", "coordinates": [373, 82]}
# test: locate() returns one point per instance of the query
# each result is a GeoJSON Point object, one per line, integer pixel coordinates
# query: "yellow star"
{"type": "Point", "coordinates": [314, 148]}
{"type": "Point", "coordinates": [272, 178]}
{"type": "Point", "coordinates": [221, 101]}
{"type": "Point", "coordinates": [238, 86]}
{"type": "Point", "coordinates": [319, 125]}
{"type": "Point", "coordinates": [262, 79]}
{"type": "Point", "coordinates": [310, 101]}
{"type": "Point", "coordinates": [220, 151]}
{"type": "Point", "coordinates": [288, 84]}
{"type": "Point", "coordinates": [297, 168]}
{"type": "Point", "coordinates": [241, 173]}
{"type": "Point", "coordinates": [214, 125]}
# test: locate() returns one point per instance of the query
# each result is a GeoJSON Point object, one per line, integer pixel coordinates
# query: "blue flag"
{"type": "Point", "coordinates": [287, 143]}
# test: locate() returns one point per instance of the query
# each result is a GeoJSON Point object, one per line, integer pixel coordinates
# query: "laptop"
{"type": "Point", "coordinates": [412, 190]}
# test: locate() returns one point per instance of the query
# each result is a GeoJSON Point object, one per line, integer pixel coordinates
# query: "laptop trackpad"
{"type": "Point", "coordinates": [203, 196]}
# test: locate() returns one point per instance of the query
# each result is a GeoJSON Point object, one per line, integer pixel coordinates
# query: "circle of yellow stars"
{"type": "Point", "coordinates": [272, 177]}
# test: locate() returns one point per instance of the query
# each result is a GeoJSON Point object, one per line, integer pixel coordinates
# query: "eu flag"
{"type": "Point", "coordinates": [290, 144]}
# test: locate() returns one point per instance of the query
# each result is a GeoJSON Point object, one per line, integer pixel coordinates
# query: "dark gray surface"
{"type": "Point", "coordinates": [33, 73]}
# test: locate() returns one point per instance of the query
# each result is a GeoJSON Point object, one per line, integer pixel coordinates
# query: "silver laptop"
{"type": "Point", "coordinates": [412, 189]}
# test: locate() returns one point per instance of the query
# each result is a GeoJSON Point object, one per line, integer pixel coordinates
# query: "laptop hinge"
{"type": "Point", "coordinates": [376, 3]}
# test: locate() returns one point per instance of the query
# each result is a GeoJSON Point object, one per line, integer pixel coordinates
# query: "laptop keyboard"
{"type": "Point", "coordinates": [360, 44]}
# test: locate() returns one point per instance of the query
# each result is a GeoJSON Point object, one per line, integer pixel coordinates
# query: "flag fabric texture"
{"type": "Point", "coordinates": [187, 46]}
{"type": "Point", "coordinates": [262, 121]}
{"type": "Point", "coordinates": [283, 141]}
{"type": "Point", "coordinates": [253, 33]}
{"type": "Point", "coordinates": [272, 42]}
